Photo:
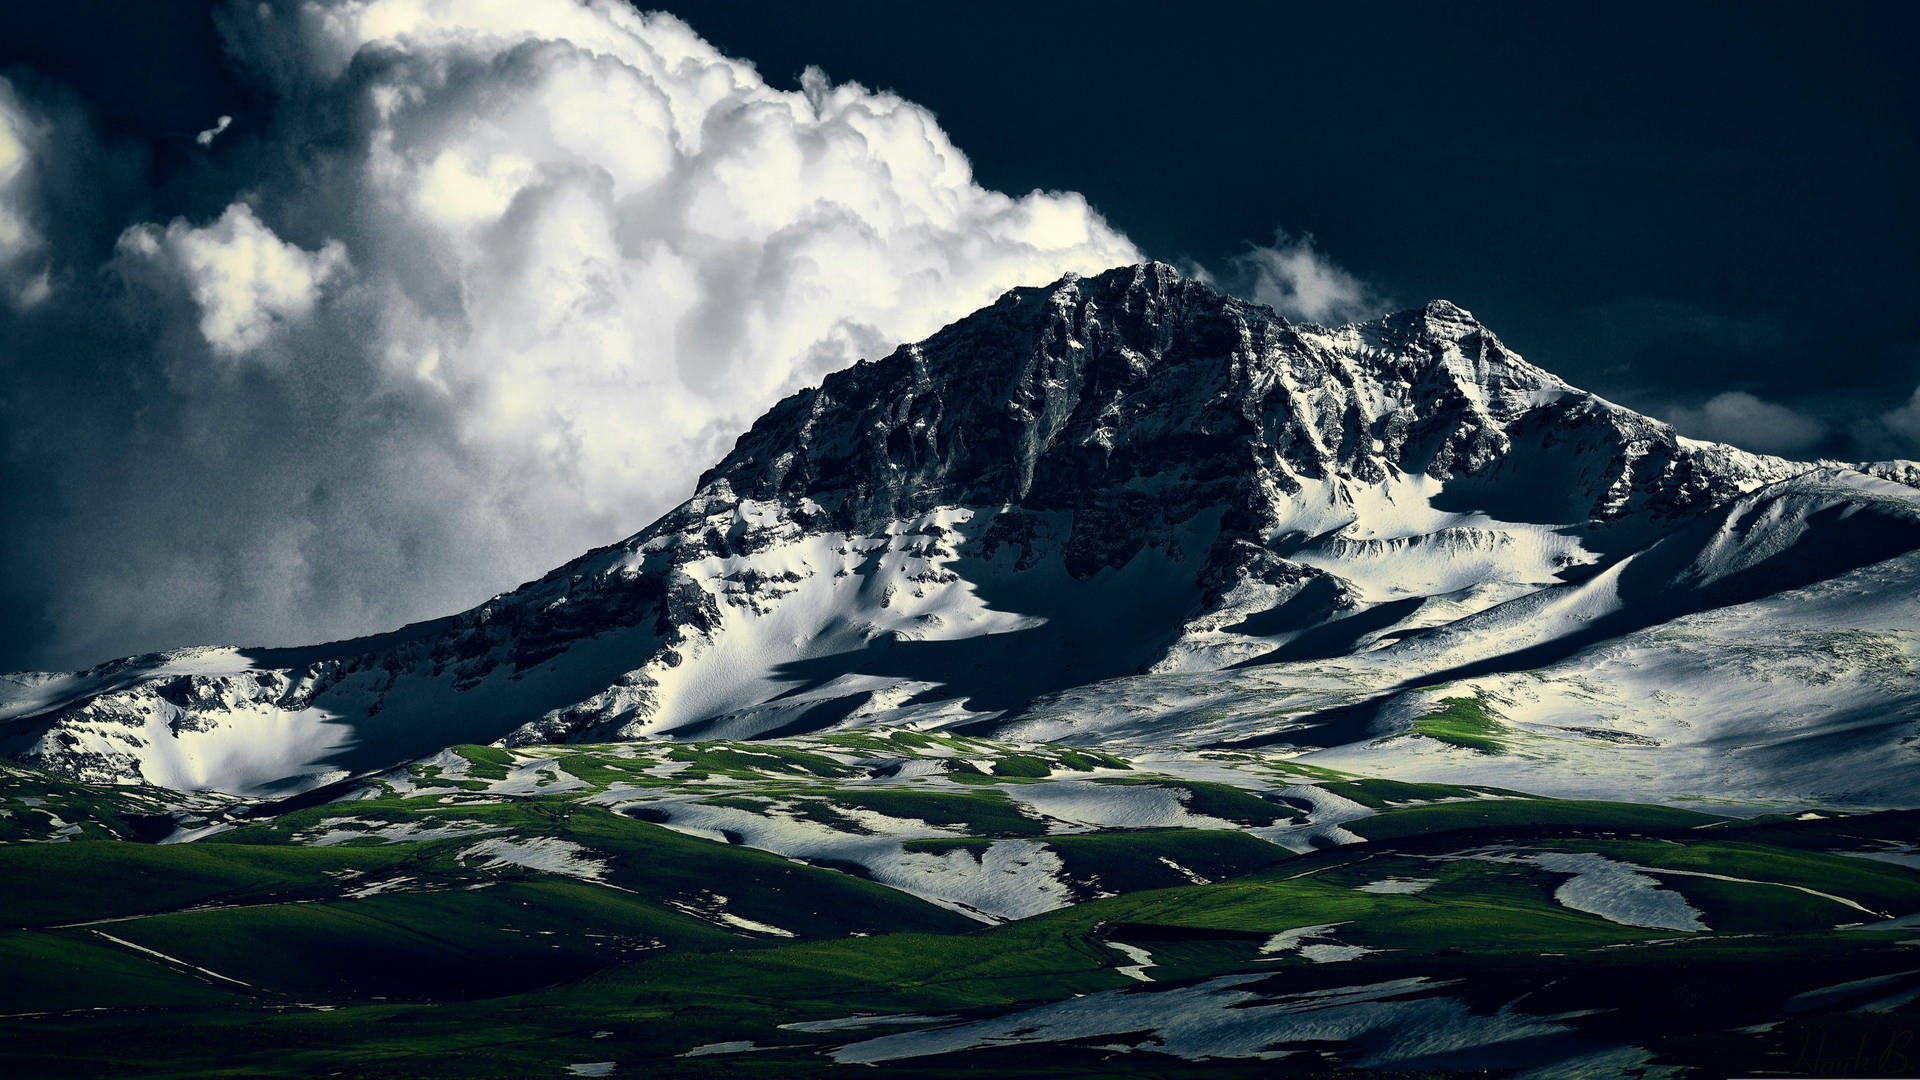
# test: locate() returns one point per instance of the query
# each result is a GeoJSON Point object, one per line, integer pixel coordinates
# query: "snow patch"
{"type": "Point", "coordinates": [547, 854]}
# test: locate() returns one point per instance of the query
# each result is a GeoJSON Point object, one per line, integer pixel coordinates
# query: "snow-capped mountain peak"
{"type": "Point", "coordinates": [1105, 486]}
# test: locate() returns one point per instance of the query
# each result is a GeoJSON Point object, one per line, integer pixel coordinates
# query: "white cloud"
{"type": "Point", "coordinates": [24, 274]}
{"type": "Point", "coordinates": [1295, 279]}
{"type": "Point", "coordinates": [205, 138]}
{"type": "Point", "coordinates": [1746, 421]}
{"type": "Point", "coordinates": [246, 281]}
{"type": "Point", "coordinates": [503, 278]}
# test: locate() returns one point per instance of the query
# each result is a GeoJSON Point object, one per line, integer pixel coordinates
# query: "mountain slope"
{"type": "Point", "coordinates": [1084, 513]}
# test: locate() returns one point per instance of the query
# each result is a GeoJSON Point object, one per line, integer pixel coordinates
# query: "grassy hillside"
{"type": "Point", "coordinates": [937, 905]}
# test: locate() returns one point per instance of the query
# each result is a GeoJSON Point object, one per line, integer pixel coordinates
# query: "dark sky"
{"type": "Point", "coordinates": [1656, 201]}
{"type": "Point", "coordinates": [1652, 198]}
{"type": "Point", "coordinates": [1673, 205]}
{"type": "Point", "coordinates": [1661, 202]}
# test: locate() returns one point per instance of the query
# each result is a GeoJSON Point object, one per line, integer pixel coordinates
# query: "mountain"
{"type": "Point", "coordinates": [1130, 510]}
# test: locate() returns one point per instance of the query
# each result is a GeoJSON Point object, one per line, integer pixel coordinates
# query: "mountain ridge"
{"type": "Point", "coordinates": [1107, 477]}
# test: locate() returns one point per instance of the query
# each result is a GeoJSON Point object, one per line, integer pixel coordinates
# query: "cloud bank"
{"type": "Point", "coordinates": [489, 285]}
{"type": "Point", "coordinates": [1748, 422]}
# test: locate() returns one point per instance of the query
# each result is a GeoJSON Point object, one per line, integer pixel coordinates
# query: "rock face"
{"type": "Point", "coordinates": [1122, 482]}
{"type": "Point", "coordinates": [1097, 397]}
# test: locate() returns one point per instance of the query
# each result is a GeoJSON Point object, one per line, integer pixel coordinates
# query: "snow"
{"type": "Point", "coordinates": [1329, 953]}
{"type": "Point", "coordinates": [712, 907]}
{"type": "Point", "coordinates": [1898, 854]}
{"type": "Point", "coordinates": [1142, 960]}
{"type": "Point", "coordinates": [1007, 879]}
{"type": "Point", "coordinates": [1396, 886]}
{"type": "Point", "coordinates": [1191, 877]}
{"type": "Point", "coordinates": [547, 854]}
{"type": "Point", "coordinates": [861, 1023]}
{"type": "Point", "coordinates": [1617, 892]}
{"type": "Point", "coordinates": [125, 944]}
{"type": "Point", "coordinates": [1608, 1064]}
{"type": "Point", "coordinates": [1312, 943]}
{"type": "Point", "coordinates": [536, 777]}
{"type": "Point", "coordinates": [1229, 1017]}
{"type": "Point", "coordinates": [330, 832]}
{"type": "Point", "coordinates": [1791, 700]}
{"type": "Point", "coordinates": [1287, 941]}
{"type": "Point", "coordinates": [847, 591]}
{"type": "Point", "coordinates": [1079, 805]}
{"type": "Point", "coordinates": [378, 888]}
{"type": "Point", "coordinates": [1324, 821]}
{"type": "Point", "coordinates": [1875, 990]}
{"type": "Point", "coordinates": [185, 835]}
{"type": "Point", "coordinates": [737, 1046]}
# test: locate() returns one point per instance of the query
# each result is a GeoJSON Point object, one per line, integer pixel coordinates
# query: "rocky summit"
{"type": "Point", "coordinates": [1131, 511]}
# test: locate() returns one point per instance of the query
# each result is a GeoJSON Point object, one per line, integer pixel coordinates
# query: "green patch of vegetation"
{"type": "Point", "coordinates": [754, 760]}
{"type": "Point", "coordinates": [1125, 862]}
{"type": "Point", "coordinates": [436, 945]}
{"type": "Point", "coordinates": [1826, 832]}
{"type": "Point", "coordinates": [439, 961]}
{"type": "Point", "coordinates": [1527, 814]}
{"type": "Point", "coordinates": [84, 969]}
{"type": "Point", "coordinates": [1381, 794]}
{"type": "Point", "coordinates": [1088, 760]}
{"type": "Point", "coordinates": [1463, 722]}
{"type": "Point", "coordinates": [601, 769]}
{"type": "Point", "coordinates": [486, 762]}
{"type": "Point", "coordinates": [1883, 889]}
{"type": "Point", "coordinates": [808, 901]}
{"type": "Point", "coordinates": [39, 805]}
{"type": "Point", "coordinates": [1022, 765]}
{"type": "Point", "coordinates": [47, 884]}
{"type": "Point", "coordinates": [1287, 767]}
{"type": "Point", "coordinates": [1738, 907]}
{"type": "Point", "coordinates": [434, 776]}
{"type": "Point", "coordinates": [947, 845]}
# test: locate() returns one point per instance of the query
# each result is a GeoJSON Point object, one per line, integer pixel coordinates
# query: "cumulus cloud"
{"type": "Point", "coordinates": [1296, 279]}
{"type": "Point", "coordinates": [1747, 421]}
{"type": "Point", "coordinates": [24, 133]}
{"type": "Point", "coordinates": [245, 281]}
{"type": "Point", "coordinates": [497, 281]}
